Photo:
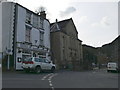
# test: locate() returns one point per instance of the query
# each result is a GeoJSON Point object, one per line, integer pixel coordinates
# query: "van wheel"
{"type": "Point", "coordinates": [53, 69]}
{"type": "Point", "coordinates": [37, 70]}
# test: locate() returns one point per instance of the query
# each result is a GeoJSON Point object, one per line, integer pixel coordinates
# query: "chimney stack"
{"type": "Point", "coordinates": [43, 14]}
{"type": "Point", "coordinates": [56, 20]}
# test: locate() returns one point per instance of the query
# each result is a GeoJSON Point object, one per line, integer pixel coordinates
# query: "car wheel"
{"type": "Point", "coordinates": [53, 69]}
{"type": "Point", "coordinates": [37, 69]}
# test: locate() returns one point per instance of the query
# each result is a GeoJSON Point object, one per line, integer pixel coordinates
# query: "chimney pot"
{"type": "Point", "coordinates": [43, 14]}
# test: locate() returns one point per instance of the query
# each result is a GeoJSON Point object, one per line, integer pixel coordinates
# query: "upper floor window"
{"type": "Point", "coordinates": [28, 34]}
{"type": "Point", "coordinates": [28, 17]}
{"type": "Point", "coordinates": [41, 38]}
{"type": "Point", "coordinates": [35, 21]}
{"type": "Point", "coordinates": [41, 23]}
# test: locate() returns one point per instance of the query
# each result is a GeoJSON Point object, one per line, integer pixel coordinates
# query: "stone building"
{"type": "Point", "coordinates": [66, 48]}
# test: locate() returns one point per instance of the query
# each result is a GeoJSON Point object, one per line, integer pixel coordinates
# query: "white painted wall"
{"type": "Point", "coordinates": [35, 36]}
{"type": "Point", "coordinates": [7, 25]}
{"type": "Point", "coordinates": [118, 21]}
{"type": "Point", "coordinates": [21, 24]}
{"type": "Point", "coordinates": [47, 34]}
{"type": "Point", "coordinates": [0, 27]}
{"type": "Point", "coordinates": [34, 32]}
{"type": "Point", "coordinates": [47, 37]}
{"type": "Point", "coordinates": [7, 28]}
{"type": "Point", "coordinates": [0, 45]}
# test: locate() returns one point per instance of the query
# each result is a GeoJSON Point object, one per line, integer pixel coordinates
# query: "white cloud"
{"type": "Point", "coordinates": [67, 12]}
{"type": "Point", "coordinates": [104, 22]}
{"type": "Point", "coordinates": [83, 19]}
{"type": "Point", "coordinates": [95, 24]}
{"type": "Point", "coordinates": [95, 0]}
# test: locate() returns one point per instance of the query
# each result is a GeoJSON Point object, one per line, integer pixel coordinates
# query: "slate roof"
{"type": "Point", "coordinates": [61, 25]}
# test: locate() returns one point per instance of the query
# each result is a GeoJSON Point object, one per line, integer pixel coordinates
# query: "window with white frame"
{"type": "Point", "coordinates": [41, 38]}
{"type": "Point", "coordinates": [28, 34]}
{"type": "Point", "coordinates": [28, 17]}
{"type": "Point", "coordinates": [35, 21]}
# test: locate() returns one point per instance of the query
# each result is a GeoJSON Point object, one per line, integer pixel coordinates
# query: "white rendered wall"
{"type": "Point", "coordinates": [21, 24]}
{"type": "Point", "coordinates": [0, 45]}
{"type": "Point", "coordinates": [47, 37]}
{"type": "Point", "coordinates": [35, 36]}
{"type": "Point", "coordinates": [35, 33]}
{"type": "Point", "coordinates": [7, 25]}
{"type": "Point", "coordinates": [119, 18]}
{"type": "Point", "coordinates": [47, 34]}
{"type": "Point", "coordinates": [0, 27]}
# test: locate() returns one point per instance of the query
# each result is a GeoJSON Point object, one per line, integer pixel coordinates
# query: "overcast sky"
{"type": "Point", "coordinates": [95, 20]}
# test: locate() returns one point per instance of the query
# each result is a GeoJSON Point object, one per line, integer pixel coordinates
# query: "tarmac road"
{"type": "Point", "coordinates": [60, 79]}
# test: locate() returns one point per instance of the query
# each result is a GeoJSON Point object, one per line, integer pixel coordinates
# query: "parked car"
{"type": "Point", "coordinates": [37, 64]}
{"type": "Point", "coordinates": [112, 66]}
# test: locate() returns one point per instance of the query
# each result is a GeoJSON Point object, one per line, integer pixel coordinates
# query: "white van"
{"type": "Point", "coordinates": [112, 66]}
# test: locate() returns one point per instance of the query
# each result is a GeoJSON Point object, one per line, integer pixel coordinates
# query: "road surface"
{"type": "Point", "coordinates": [61, 79]}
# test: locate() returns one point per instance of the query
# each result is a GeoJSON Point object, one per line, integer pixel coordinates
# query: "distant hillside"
{"type": "Point", "coordinates": [89, 56]}
{"type": "Point", "coordinates": [102, 55]}
{"type": "Point", "coordinates": [112, 49]}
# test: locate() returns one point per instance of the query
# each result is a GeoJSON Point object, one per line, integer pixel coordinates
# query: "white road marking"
{"type": "Point", "coordinates": [49, 81]}
{"type": "Point", "coordinates": [46, 76]}
{"type": "Point", "coordinates": [52, 88]}
{"type": "Point", "coordinates": [49, 76]}
{"type": "Point", "coordinates": [50, 84]}
{"type": "Point", "coordinates": [52, 76]}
